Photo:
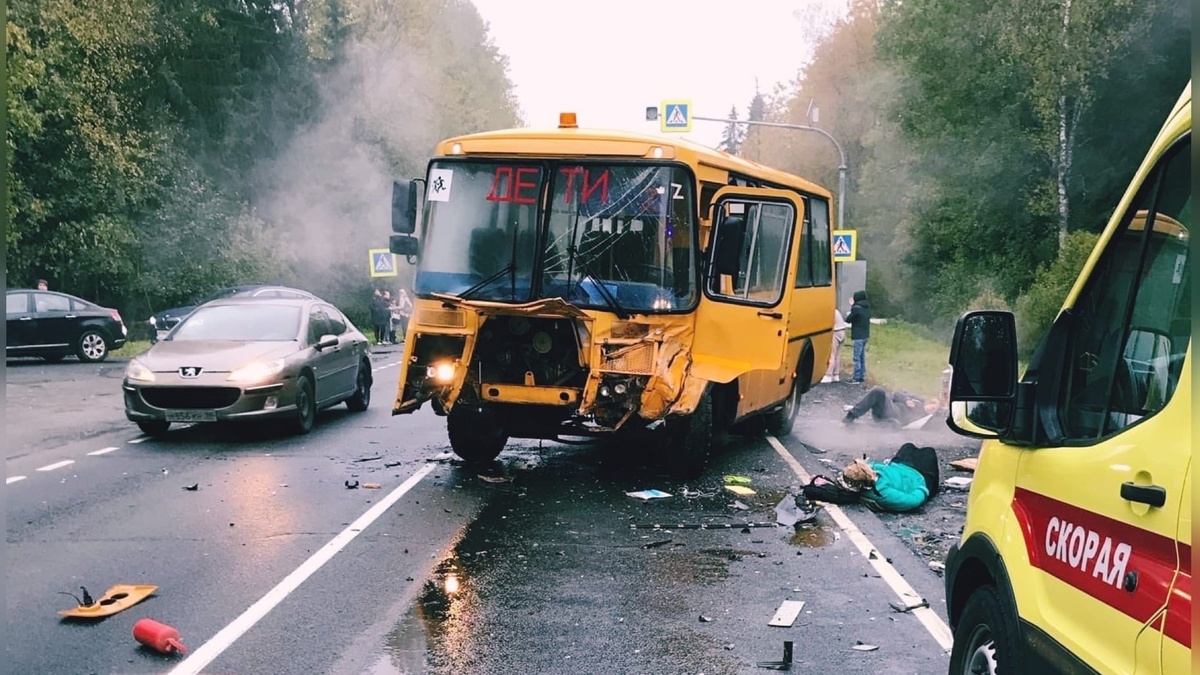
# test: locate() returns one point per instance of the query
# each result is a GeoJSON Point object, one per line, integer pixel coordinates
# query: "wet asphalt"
{"type": "Point", "coordinates": [538, 563]}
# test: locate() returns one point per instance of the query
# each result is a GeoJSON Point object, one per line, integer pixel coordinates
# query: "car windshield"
{"type": "Point", "coordinates": [257, 322]}
{"type": "Point", "coordinates": [627, 226]}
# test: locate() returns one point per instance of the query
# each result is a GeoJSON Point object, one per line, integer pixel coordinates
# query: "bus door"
{"type": "Point", "coordinates": [742, 321]}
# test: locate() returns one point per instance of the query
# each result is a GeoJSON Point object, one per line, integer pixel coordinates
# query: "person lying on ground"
{"type": "Point", "coordinates": [898, 409]}
{"type": "Point", "coordinates": [887, 486]}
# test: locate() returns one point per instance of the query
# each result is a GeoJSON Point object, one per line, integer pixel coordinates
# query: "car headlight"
{"type": "Point", "coordinates": [138, 372]}
{"type": "Point", "coordinates": [257, 371]}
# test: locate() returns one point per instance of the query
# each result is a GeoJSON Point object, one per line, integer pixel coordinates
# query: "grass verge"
{"type": "Point", "coordinates": [131, 348]}
{"type": "Point", "coordinates": [901, 355]}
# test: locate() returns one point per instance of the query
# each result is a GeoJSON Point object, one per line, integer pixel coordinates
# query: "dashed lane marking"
{"type": "Point", "coordinates": [385, 366]}
{"type": "Point", "coordinates": [12, 479]}
{"type": "Point", "coordinates": [57, 465]}
{"type": "Point", "coordinates": [140, 439]}
{"type": "Point", "coordinates": [101, 451]}
{"type": "Point", "coordinates": [210, 650]}
{"type": "Point", "coordinates": [907, 594]}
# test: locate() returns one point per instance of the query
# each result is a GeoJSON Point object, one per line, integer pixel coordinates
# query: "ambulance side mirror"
{"type": "Point", "coordinates": [983, 381]}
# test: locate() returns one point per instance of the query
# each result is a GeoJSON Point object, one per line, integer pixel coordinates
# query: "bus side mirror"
{"type": "Point", "coordinates": [983, 381]}
{"type": "Point", "coordinates": [727, 249]}
{"type": "Point", "coordinates": [404, 206]}
{"type": "Point", "coordinates": [405, 245]}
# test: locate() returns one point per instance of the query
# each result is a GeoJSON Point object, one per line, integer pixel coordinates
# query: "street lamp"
{"type": "Point", "coordinates": [652, 114]}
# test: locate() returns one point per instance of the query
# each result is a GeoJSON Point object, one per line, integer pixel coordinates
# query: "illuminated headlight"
{"type": "Point", "coordinates": [442, 373]}
{"type": "Point", "coordinates": [257, 371]}
{"type": "Point", "coordinates": [138, 372]}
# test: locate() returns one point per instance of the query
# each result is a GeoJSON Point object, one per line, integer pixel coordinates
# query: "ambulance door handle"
{"type": "Point", "coordinates": [1144, 494]}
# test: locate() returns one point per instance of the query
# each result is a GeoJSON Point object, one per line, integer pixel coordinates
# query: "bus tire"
{"type": "Point", "coordinates": [779, 422]}
{"type": "Point", "coordinates": [476, 435]}
{"type": "Point", "coordinates": [689, 440]}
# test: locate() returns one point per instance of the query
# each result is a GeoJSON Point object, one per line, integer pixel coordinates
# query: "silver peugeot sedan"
{"type": "Point", "coordinates": [248, 359]}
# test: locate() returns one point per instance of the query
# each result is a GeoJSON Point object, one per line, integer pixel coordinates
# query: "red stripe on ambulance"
{"type": "Point", "coordinates": [1102, 557]}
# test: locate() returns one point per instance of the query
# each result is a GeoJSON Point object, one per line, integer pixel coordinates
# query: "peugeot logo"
{"type": "Point", "coordinates": [189, 372]}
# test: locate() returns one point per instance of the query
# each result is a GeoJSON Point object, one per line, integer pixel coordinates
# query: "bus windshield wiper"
{"type": "Point", "coordinates": [510, 267]}
{"type": "Point", "coordinates": [604, 293]}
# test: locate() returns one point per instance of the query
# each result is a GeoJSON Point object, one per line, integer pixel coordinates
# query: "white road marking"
{"type": "Point", "coordinates": [229, 634]}
{"type": "Point", "coordinates": [907, 594]}
{"type": "Point", "coordinates": [101, 451]}
{"type": "Point", "coordinates": [140, 439]}
{"type": "Point", "coordinates": [12, 479]}
{"type": "Point", "coordinates": [385, 366]}
{"type": "Point", "coordinates": [57, 465]}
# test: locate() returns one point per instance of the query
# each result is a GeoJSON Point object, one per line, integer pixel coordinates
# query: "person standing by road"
{"type": "Point", "coordinates": [380, 317]}
{"type": "Point", "coordinates": [401, 311]}
{"type": "Point", "coordinates": [835, 359]}
{"type": "Point", "coordinates": [859, 319]}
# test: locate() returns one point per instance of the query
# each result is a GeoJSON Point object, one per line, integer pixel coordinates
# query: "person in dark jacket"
{"type": "Point", "coordinates": [381, 317]}
{"type": "Point", "coordinates": [859, 319]}
{"type": "Point", "coordinates": [898, 408]}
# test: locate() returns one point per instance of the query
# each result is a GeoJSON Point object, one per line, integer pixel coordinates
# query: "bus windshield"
{"type": "Point", "coordinates": [614, 236]}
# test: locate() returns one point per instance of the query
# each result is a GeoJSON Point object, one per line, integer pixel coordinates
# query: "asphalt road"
{"type": "Point", "coordinates": [274, 566]}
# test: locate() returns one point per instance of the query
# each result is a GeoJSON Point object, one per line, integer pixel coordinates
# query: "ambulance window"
{"type": "Point", "coordinates": [1133, 317]}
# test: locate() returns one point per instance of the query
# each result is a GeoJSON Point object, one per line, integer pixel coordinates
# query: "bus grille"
{"type": "Point", "coordinates": [635, 359]}
{"type": "Point", "coordinates": [445, 318]}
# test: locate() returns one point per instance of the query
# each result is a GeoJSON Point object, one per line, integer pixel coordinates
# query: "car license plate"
{"type": "Point", "coordinates": [191, 416]}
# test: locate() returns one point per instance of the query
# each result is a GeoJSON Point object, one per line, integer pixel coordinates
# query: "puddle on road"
{"type": "Point", "coordinates": [813, 536]}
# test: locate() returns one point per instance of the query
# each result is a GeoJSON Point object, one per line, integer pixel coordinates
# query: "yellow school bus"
{"type": "Point", "coordinates": [573, 282]}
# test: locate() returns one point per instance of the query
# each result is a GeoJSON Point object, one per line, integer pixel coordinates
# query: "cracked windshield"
{"type": "Point", "coordinates": [618, 234]}
{"type": "Point", "coordinates": [498, 337]}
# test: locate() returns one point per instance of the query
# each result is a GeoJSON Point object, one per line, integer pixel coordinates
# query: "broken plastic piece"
{"type": "Point", "coordinates": [495, 479]}
{"type": "Point", "coordinates": [351, 485]}
{"type": "Point", "coordinates": [958, 483]}
{"type": "Point", "coordinates": [648, 494]}
{"type": "Point", "coordinates": [656, 544]}
{"type": "Point", "coordinates": [370, 486]}
{"type": "Point", "coordinates": [737, 480]}
{"type": "Point", "coordinates": [193, 487]}
{"type": "Point", "coordinates": [740, 490]}
{"type": "Point", "coordinates": [902, 609]}
{"type": "Point", "coordinates": [158, 636]}
{"type": "Point", "coordinates": [705, 619]}
{"type": "Point", "coordinates": [785, 664]}
{"type": "Point", "coordinates": [118, 598]}
{"type": "Point", "coordinates": [793, 509]}
{"type": "Point", "coordinates": [786, 614]}
{"type": "Point", "coordinates": [861, 646]}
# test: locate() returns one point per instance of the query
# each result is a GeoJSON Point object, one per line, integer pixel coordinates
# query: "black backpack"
{"type": "Point", "coordinates": [924, 460]}
{"type": "Point", "coordinates": [821, 489]}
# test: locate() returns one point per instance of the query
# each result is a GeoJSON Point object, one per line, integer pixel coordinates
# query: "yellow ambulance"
{"type": "Point", "coordinates": [1076, 555]}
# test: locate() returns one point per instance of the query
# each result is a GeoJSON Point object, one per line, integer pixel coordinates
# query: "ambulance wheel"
{"type": "Point", "coordinates": [476, 435]}
{"type": "Point", "coordinates": [779, 422]}
{"type": "Point", "coordinates": [689, 440]}
{"type": "Point", "coordinates": [987, 639]}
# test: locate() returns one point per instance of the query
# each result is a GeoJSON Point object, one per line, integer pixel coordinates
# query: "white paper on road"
{"type": "Point", "coordinates": [439, 184]}
{"type": "Point", "coordinates": [787, 613]}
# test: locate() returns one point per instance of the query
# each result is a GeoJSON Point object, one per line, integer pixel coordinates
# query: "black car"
{"type": "Point", "coordinates": [167, 319]}
{"type": "Point", "coordinates": [55, 325]}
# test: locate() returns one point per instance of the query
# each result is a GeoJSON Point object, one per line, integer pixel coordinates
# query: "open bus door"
{"type": "Point", "coordinates": [742, 321]}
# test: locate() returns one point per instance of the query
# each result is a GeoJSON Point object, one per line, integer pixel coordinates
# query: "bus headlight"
{"type": "Point", "coordinates": [442, 373]}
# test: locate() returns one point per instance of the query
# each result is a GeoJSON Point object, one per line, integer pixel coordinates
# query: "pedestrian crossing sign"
{"type": "Point", "coordinates": [383, 263]}
{"type": "Point", "coordinates": [845, 245]}
{"type": "Point", "coordinates": [676, 116]}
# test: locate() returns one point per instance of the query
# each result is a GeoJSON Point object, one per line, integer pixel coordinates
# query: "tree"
{"type": "Point", "coordinates": [751, 144]}
{"type": "Point", "coordinates": [731, 139]}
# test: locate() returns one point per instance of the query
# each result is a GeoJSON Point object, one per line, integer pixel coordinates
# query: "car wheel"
{"type": "Point", "coordinates": [154, 428]}
{"type": "Point", "coordinates": [475, 435]}
{"type": "Point", "coordinates": [689, 440]}
{"type": "Point", "coordinates": [360, 400]}
{"type": "Point", "coordinates": [986, 640]}
{"type": "Point", "coordinates": [91, 347]}
{"type": "Point", "coordinates": [779, 423]}
{"type": "Point", "coordinates": [306, 406]}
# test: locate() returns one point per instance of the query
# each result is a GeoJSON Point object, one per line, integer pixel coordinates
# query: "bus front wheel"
{"type": "Point", "coordinates": [476, 435]}
{"type": "Point", "coordinates": [689, 440]}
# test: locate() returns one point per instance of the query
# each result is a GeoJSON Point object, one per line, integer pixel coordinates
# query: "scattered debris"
{"type": "Point", "coordinates": [649, 494]}
{"type": "Point", "coordinates": [861, 646]}
{"type": "Point", "coordinates": [793, 509]}
{"type": "Point", "coordinates": [158, 636]}
{"type": "Point", "coordinates": [740, 490]}
{"type": "Point", "coordinates": [656, 544]}
{"type": "Point", "coordinates": [193, 487]}
{"type": "Point", "coordinates": [967, 464]}
{"type": "Point", "coordinates": [370, 486]}
{"type": "Point", "coordinates": [701, 526]}
{"type": "Point", "coordinates": [786, 615]}
{"type": "Point", "coordinates": [388, 465]}
{"type": "Point", "coordinates": [903, 609]}
{"type": "Point", "coordinates": [351, 485]}
{"type": "Point", "coordinates": [369, 459]}
{"type": "Point", "coordinates": [958, 483]}
{"type": "Point", "coordinates": [705, 619]}
{"type": "Point", "coordinates": [118, 598]}
{"type": "Point", "coordinates": [739, 505]}
{"type": "Point", "coordinates": [785, 664]}
{"type": "Point", "coordinates": [495, 479]}
{"type": "Point", "coordinates": [937, 566]}
{"type": "Point", "coordinates": [737, 480]}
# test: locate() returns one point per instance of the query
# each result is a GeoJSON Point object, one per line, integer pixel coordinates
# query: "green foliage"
{"type": "Point", "coordinates": [903, 355]}
{"type": "Point", "coordinates": [1037, 308]}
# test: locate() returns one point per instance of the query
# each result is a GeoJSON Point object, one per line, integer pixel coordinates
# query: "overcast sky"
{"type": "Point", "coordinates": [608, 60]}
